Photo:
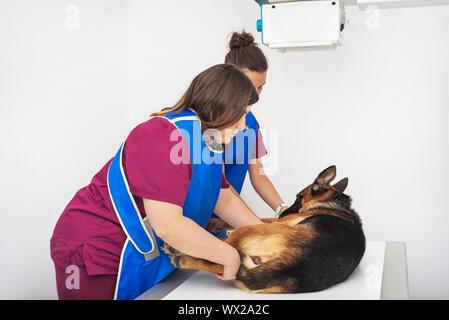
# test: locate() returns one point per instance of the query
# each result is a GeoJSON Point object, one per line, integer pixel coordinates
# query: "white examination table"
{"type": "Point", "coordinates": [382, 274]}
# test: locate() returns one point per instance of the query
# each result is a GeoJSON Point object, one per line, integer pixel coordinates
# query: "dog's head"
{"type": "Point", "coordinates": [319, 191]}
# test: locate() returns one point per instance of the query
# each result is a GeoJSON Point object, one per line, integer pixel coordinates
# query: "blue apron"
{"type": "Point", "coordinates": [143, 264]}
{"type": "Point", "coordinates": [237, 156]}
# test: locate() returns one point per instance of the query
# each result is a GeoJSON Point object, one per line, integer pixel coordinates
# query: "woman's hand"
{"type": "Point", "coordinates": [231, 268]}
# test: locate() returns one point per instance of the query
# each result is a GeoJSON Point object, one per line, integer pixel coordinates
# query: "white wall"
{"type": "Point", "coordinates": [375, 107]}
{"type": "Point", "coordinates": [171, 41]}
{"type": "Point", "coordinates": [63, 112]}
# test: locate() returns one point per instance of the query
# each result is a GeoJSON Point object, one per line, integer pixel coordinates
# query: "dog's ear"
{"type": "Point", "coordinates": [341, 185]}
{"type": "Point", "coordinates": [324, 178]}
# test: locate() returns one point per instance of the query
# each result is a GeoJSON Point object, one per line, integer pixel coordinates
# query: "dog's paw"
{"type": "Point", "coordinates": [174, 255]}
{"type": "Point", "coordinates": [217, 225]}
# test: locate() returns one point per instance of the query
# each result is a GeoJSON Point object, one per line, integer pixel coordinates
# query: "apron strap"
{"type": "Point", "coordinates": [138, 230]}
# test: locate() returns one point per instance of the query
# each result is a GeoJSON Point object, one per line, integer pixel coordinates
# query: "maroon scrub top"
{"type": "Point", "coordinates": [88, 233]}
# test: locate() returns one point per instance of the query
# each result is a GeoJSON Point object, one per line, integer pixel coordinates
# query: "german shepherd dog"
{"type": "Point", "coordinates": [316, 243]}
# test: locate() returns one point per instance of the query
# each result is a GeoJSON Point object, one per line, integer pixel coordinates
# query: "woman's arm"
{"type": "Point", "coordinates": [188, 237]}
{"type": "Point", "coordinates": [263, 185]}
{"type": "Point", "coordinates": [233, 210]}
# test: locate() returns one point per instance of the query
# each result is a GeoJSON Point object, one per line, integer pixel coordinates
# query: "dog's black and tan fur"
{"type": "Point", "coordinates": [316, 243]}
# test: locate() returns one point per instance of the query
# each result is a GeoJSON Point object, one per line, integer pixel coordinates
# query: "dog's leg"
{"type": "Point", "coordinates": [188, 262]}
{"type": "Point", "coordinates": [217, 225]}
{"type": "Point", "coordinates": [266, 250]}
{"type": "Point", "coordinates": [261, 242]}
{"type": "Point", "coordinates": [182, 261]}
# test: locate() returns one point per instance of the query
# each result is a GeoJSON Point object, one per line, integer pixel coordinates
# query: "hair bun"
{"type": "Point", "coordinates": [241, 40]}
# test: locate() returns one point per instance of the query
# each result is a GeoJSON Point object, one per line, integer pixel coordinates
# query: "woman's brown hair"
{"type": "Point", "coordinates": [219, 95]}
{"type": "Point", "coordinates": [244, 53]}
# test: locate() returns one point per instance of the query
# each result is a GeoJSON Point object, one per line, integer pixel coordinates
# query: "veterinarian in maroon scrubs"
{"type": "Point", "coordinates": [244, 53]}
{"type": "Point", "coordinates": [91, 239]}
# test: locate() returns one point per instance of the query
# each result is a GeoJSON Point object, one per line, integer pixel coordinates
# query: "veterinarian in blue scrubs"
{"type": "Point", "coordinates": [247, 147]}
{"type": "Point", "coordinates": [163, 185]}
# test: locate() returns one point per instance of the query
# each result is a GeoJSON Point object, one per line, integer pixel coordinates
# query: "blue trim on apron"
{"type": "Point", "coordinates": [142, 263]}
{"type": "Point", "coordinates": [122, 202]}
